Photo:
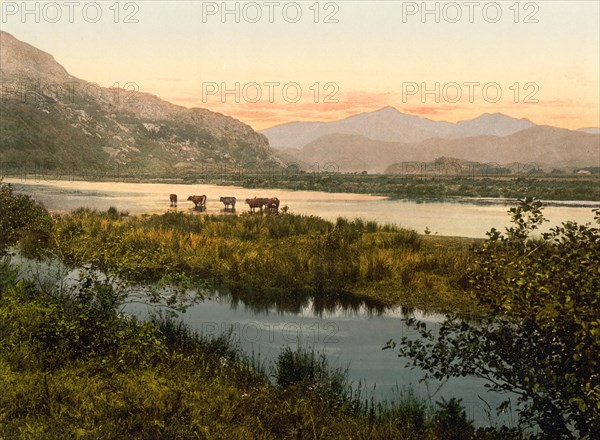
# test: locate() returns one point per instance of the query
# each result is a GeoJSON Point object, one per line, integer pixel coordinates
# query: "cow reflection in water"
{"type": "Point", "coordinates": [199, 202]}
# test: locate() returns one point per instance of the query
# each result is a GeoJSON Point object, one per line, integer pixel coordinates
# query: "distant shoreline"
{"type": "Point", "coordinates": [472, 191]}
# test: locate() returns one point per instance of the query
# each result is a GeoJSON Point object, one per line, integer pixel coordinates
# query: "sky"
{"type": "Point", "coordinates": [272, 62]}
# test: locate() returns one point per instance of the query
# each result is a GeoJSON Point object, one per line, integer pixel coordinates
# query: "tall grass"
{"type": "Point", "coordinates": [292, 254]}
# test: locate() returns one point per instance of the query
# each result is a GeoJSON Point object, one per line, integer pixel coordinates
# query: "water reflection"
{"type": "Point", "coordinates": [350, 331]}
{"type": "Point", "coordinates": [276, 301]}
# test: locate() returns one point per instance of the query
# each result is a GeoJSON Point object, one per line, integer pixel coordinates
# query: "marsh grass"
{"type": "Point", "coordinates": [285, 254]}
{"type": "Point", "coordinates": [71, 366]}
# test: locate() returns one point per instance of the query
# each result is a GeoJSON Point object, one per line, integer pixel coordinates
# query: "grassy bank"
{"type": "Point", "coordinates": [286, 256]}
{"type": "Point", "coordinates": [72, 367]}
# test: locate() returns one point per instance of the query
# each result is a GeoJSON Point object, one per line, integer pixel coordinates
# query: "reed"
{"type": "Point", "coordinates": [303, 255]}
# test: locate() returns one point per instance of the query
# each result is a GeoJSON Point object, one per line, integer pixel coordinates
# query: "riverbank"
{"type": "Point", "coordinates": [459, 217]}
{"type": "Point", "coordinates": [546, 187]}
{"type": "Point", "coordinates": [416, 187]}
{"type": "Point", "coordinates": [76, 330]}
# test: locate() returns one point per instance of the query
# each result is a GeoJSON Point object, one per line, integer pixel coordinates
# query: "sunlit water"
{"type": "Point", "coordinates": [459, 217]}
{"type": "Point", "coordinates": [351, 334]}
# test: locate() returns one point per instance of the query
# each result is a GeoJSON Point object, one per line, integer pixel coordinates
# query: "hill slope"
{"type": "Point", "coordinates": [49, 118]}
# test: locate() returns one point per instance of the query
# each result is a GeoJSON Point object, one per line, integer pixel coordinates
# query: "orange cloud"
{"type": "Point", "coordinates": [440, 110]}
{"type": "Point", "coordinates": [264, 114]}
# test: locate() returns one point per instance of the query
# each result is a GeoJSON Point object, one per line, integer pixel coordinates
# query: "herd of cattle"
{"type": "Point", "coordinates": [271, 204]}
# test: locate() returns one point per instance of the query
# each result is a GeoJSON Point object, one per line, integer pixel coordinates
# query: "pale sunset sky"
{"type": "Point", "coordinates": [310, 60]}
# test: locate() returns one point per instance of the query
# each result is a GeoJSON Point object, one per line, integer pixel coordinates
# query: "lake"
{"type": "Point", "coordinates": [351, 333]}
{"type": "Point", "coordinates": [461, 217]}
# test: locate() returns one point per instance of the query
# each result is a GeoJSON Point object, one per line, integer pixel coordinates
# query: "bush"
{"type": "Point", "coordinates": [451, 420]}
{"type": "Point", "coordinates": [22, 219]}
{"type": "Point", "coordinates": [540, 336]}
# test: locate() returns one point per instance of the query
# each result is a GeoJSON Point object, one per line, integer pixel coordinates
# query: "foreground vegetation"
{"type": "Point", "coordinates": [72, 366]}
{"type": "Point", "coordinates": [541, 337]}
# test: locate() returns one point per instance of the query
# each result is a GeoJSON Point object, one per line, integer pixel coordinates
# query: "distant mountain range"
{"type": "Point", "coordinates": [390, 125]}
{"type": "Point", "coordinates": [374, 141]}
{"type": "Point", "coordinates": [49, 118]}
{"type": "Point", "coordinates": [591, 130]}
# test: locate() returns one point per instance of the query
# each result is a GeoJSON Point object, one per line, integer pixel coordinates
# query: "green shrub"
{"type": "Point", "coordinates": [451, 421]}
{"type": "Point", "coordinates": [22, 219]}
{"type": "Point", "coordinates": [308, 370]}
{"type": "Point", "coordinates": [539, 337]}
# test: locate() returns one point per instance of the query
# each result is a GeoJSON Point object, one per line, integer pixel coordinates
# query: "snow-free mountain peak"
{"type": "Point", "coordinates": [391, 125]}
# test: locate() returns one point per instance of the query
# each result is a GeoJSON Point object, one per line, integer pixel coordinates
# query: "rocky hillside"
{"type": "Point", "coordinates": [51, 119]}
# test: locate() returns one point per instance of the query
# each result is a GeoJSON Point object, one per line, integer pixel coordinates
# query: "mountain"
{"type": "Point", "coordinates": [390, 125]}
{"type": "Point", "coordinates": [496, 124]}
{"type": "Point", "coordinates": [542, 145]}
{"type": "Point", "coordinates": [49, 118]}
{"type": "Point", "coordinates": [591, 130]}
{"type": "Point", "coordinates": [352, 153]}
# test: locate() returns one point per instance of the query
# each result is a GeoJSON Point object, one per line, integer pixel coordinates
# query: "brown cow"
{"type": "Point", "coordinates": [199, 201]}
{"type": "Point", "coordinates": [256, 202]}
{"type": "Point", "coordinates": [273, 204]}
{"type": "Point", "coordinates": [173, 199]}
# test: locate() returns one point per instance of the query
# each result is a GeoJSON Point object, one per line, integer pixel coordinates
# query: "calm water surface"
{"type": "Point", "coordinates": [461, 217]}
{"type": "Point", "coordinates": [351, 334]}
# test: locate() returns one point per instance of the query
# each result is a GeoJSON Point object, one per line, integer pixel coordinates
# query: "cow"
{"type": "Point", "coordinates": [228, 202]}
{"type": "Point", "coordinates": [199, 202]}
{"type": "Point", "coordinates": [173, 199]}
{"type": "Point", "coordinates": [256, 202]}
{"type": "Point", "coordinates": [273, 204]}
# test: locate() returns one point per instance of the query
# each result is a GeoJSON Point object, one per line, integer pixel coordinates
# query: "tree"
{"type": "Point", "coordinates": [540, 337]}
{"type": "Point", "coordinates": [22, 219]}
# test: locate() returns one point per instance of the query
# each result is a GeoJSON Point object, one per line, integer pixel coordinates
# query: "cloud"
{"type": "Point", "coordinates": [264, 114]}
{"type": "Point", "coordinates": [439, 110]}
